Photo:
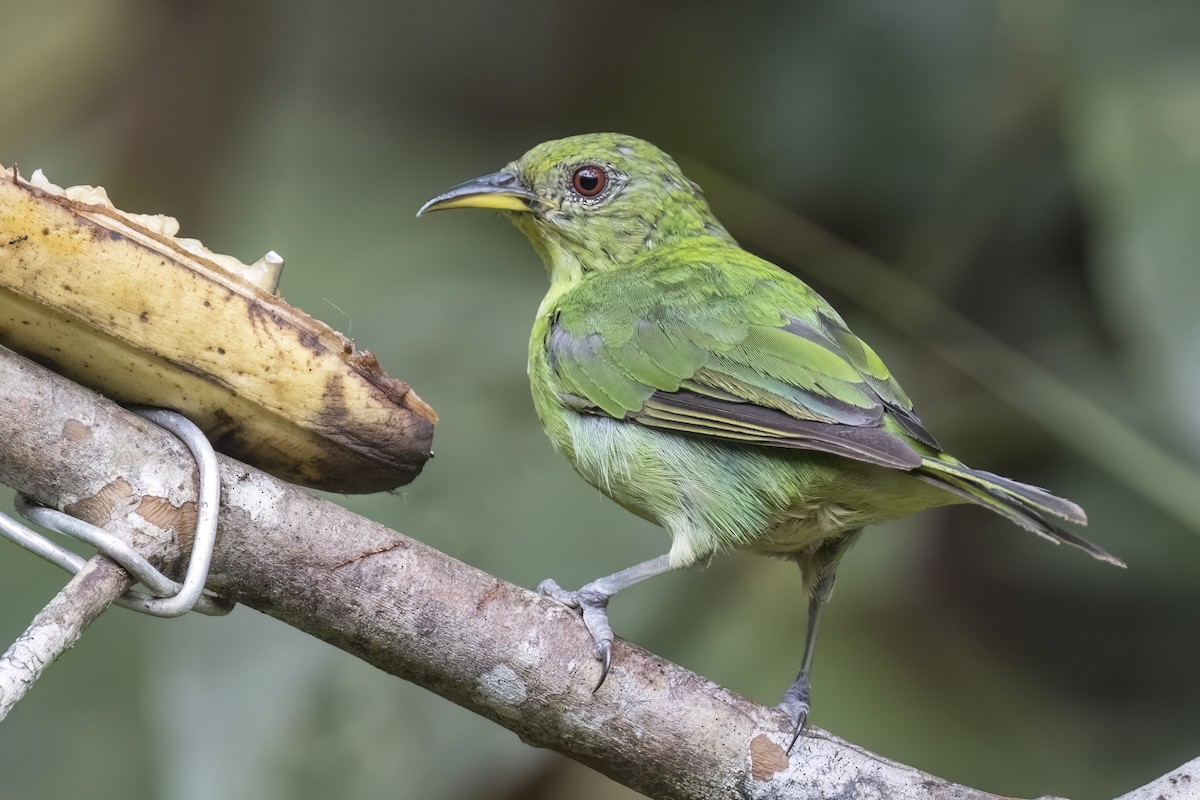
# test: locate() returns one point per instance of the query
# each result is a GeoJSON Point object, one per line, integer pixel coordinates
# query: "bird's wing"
{"type": "Point", "coordinates": [714, 342]}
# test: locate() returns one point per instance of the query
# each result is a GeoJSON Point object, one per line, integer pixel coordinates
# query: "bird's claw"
{"type": "Point", "coordinates": [594, 607]}
{"type": "Point", "coordinates": [604, 653]}
{"type": "Point", "coordinates": [796, 705]}
{"type": "Point", "coordinates": [799, 718]}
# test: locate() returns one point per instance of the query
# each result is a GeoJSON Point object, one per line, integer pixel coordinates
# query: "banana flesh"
{"type": "Point", "coordinates": [117, 303]}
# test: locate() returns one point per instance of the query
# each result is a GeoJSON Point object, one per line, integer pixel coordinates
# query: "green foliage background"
{"type": "Point", "coordinates": [1035, 164]}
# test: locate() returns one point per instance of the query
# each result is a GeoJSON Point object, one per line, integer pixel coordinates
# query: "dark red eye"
{"type": "Point", "coordinates": [589, 180]}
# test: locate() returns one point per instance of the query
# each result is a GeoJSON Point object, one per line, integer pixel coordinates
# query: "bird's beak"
{"type": "Point", "coordinates": [501, 190]}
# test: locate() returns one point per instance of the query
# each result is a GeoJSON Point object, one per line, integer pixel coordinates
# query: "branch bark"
{"type": "Point", "coordinates": [508, 654]}
{"type": "Point", "coordinates": [58, 626]}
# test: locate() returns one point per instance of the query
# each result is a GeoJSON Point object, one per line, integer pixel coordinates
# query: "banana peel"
{"type": "Point", "coordinates": [116, 302]}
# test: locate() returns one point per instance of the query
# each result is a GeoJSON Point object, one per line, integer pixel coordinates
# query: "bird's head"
{"type": "Point", "coordinates": [591, 202]}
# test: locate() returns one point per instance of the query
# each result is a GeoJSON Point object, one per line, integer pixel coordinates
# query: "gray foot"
{"type": "Point", "coordinates": [594, 606]}
{"type": "Point", "coordinates": [796, 705]}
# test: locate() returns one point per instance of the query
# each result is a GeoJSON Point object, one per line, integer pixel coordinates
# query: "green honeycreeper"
{"type": "Point", "coordinates": [710, 391]}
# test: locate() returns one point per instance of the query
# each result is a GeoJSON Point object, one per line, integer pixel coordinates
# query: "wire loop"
{"type": "Point", "coordinates": [169, 598]}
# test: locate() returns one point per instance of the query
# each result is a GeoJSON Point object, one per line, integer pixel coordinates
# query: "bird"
{"type": "Point", "coordinates": [712, 392]}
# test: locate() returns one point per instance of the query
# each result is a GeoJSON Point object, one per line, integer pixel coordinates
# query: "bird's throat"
{"type": "Point", "coordinates": [565, 265]}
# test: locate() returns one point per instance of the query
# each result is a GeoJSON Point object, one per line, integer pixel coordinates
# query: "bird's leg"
{"type": "Point", "coordinates": [592, 601]}
{"type": "Point", "coordinates": [796, 699]}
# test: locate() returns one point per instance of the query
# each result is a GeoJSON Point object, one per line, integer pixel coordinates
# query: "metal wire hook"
{"type": "Point", "coordinates": [171, 599]}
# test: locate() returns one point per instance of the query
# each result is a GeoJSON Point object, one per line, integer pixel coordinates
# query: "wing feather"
{"type": "Point", "coordinates": [767, 426]}
{"type": "Point", "coordinates": [741, 353]}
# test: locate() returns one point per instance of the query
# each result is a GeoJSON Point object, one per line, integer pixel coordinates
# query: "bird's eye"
{"type": "Point", "coordinates": [589, 180]}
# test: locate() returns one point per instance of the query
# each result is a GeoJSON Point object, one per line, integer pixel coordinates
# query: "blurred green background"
{"type": "Point", "coordinates": [1034, 164]}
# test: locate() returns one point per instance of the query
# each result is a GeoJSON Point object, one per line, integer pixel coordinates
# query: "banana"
{"type": "Point", "coordinates": [117, 303]}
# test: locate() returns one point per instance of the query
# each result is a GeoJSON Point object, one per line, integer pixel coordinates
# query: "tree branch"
{"type": "Point", "coordinates": [501, 651]}
{"type": "Point", "coordinates": [58, 626]}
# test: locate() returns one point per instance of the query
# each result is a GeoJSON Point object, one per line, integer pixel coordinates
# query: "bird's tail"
{"type": "Point", "coordinates": [1028, 506]}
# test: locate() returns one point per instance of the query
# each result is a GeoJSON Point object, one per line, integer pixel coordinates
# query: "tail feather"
{"type": "Point", "coordinates": [1027, 506]}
